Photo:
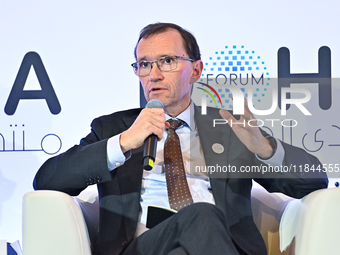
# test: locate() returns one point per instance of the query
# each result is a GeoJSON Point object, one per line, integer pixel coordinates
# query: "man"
{"type": "Point", "coordinates": [168, 63]}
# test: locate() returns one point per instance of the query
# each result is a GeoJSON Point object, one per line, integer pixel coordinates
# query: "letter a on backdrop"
{"type": "Point", "coordinates": [46, 92]}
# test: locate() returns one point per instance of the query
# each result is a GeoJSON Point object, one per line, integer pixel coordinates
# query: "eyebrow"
{"type": "Point", "coordinates": [144, 58]}
{"type": "Point", "coordinates": [164, 55]}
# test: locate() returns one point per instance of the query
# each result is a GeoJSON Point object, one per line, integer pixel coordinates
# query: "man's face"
{"type": "Point", "coordinates": [172, 88]}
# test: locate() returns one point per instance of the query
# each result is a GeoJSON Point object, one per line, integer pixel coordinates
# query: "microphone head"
{"type": "Point", "coordinates": [154, 103]}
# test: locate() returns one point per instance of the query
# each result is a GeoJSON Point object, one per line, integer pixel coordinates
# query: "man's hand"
{"type": "Point", "coordinates": [149, 121]}
{"type": "Point", "coordinates": [248, 135]}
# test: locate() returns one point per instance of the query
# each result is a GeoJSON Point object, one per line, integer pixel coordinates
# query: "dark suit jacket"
{"type": "Point", "coordinates": [119, 190]}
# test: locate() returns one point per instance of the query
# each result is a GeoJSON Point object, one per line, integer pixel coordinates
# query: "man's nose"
{"type": "Point", "coordinates": [156, 73]}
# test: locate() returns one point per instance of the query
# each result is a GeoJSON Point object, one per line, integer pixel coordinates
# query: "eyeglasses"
{"type": "Point", "coordinates": [165, 64]}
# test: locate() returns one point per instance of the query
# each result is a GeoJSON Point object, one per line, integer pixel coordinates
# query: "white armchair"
{"type": "Point", "coordinates": [55, 223]}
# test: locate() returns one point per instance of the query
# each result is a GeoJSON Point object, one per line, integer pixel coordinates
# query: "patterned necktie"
{"type": "Point", "coordinates": [178, 190]}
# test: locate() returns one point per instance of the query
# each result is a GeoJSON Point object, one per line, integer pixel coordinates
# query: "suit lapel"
{"type": "Point", "coordinates": [210, 137]}
{"type": "Point", "coordinates": [235, 153]}
{"type": "Point", "coordinates": [131, 172]}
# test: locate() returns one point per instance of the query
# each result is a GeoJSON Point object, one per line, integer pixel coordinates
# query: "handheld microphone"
{"type": "Point", "coordinates": [150, 144]}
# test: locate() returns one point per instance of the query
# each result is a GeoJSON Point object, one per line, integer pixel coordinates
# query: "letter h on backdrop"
{"type": "Point", "coordinates": [323, 77]}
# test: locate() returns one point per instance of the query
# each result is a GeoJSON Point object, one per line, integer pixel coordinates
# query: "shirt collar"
{"type": "Point", "coordinates": [187, 115]}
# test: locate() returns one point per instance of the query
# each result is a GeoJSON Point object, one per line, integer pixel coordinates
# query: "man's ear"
{"type": "Point", "coordinates": [197, 71]}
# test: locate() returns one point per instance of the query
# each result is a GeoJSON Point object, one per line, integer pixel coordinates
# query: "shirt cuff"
{"type": "Point", "coordinates": [115, 156]}
{"type": "Point", "coordinates": [277, 158]}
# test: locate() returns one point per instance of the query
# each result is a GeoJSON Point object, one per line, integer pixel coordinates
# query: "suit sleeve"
{"type": "Point", "coordinates": [82, 165]}
{"type": "Point", "coordinates": [296, 181]}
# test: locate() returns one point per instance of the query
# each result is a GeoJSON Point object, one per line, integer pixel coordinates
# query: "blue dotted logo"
{"type": "Point", "coordinates": [233, 66]}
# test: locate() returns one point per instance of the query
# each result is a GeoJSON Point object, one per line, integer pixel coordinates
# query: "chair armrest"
{"type": "Point", "coordinates": [268, 209]}
{"type": "Point", "coordinates": [318, 223]}
{"type": "Point", "coordinates": [53, 224]}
